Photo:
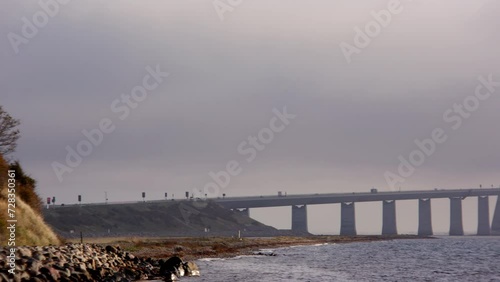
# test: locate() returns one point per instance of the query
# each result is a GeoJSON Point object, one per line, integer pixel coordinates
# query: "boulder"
{"type": "Point", "coordinates": [171, 277]}
{"type": "Point", "coordinates": [50, 273]}
{"type": "Point", "coordinates": [173, 265]}
{"type": "Point", "coordinates": [24, 252]}
{"type": "Point", "coordinates": [191, 269]}
{"type": "Point", "coordinates": [79, 262]}
{"type": "Point", "coordinates": [33, 266]}
{"type": "Point", "coordinates": [111, 249]}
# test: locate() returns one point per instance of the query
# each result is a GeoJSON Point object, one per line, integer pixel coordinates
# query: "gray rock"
{"type": "Point", "coordinates": [172, 266]}
{"type": "Point", "coordinates": [78, 262]}
{"type": "Point", "coordinates": [111, 249]}
{"type": "Point", "coordinates": [66, 273]}
{"type": "Point", "coordinates": [38, 256]}
{"type": "Point", "coordinates": [24, 252]}
{"type": "Point", "coordinates": [33, 266]}
{"type": "Point", "coordinates": [191, 269]}
{"type": "Point", "coordinates": [171, 277]}
{"type": "Point", "coordinates": [50, 273]}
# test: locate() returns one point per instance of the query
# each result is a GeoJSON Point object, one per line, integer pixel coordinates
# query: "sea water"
{"type": "Point", "coordinates": [442, 259]}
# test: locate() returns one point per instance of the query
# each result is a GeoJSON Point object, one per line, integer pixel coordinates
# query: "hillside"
{"type": "Point", "coordinates": [30, 226]}
{"type": "Point", "coordinates": [31, 229]}
{"type": "Point", "coordinates": [166, 218]}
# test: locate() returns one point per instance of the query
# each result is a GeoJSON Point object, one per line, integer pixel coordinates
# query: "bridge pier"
{"type": "Point", "coordinates": [389, 226]}
{"type": "Point", "coordinates": [244, 211]}
{"type": "Point", "coordinates": [424, 217]}
{"type": "Point", "coordinates": [348, 219]}
{"type": "Point", "coordinates": [483, 216]}
{"type": "Point", "coordinates": [495, 226]}
{"type": "Point", "coordinates": [299, 218]}
{"type": "Point", "coordinates": [456, 226]}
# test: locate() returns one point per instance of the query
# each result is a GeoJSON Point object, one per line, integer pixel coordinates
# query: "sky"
{"type": "Point", "coordinates": [217, 72]}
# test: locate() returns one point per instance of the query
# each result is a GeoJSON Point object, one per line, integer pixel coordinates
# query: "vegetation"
{"type": "Point", "coordinates": [30, 226]}
{"type": "Point", "coordinates": [9, 133]}
{"type": "Point", "coordinates": [26, 188]}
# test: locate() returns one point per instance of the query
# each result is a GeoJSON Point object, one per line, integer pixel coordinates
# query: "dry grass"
{"type": "Point", "coordinates": [30, 227]}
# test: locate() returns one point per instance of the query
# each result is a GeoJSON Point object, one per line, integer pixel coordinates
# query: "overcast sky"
{"type": "Point", "coordinates": [353, 120]}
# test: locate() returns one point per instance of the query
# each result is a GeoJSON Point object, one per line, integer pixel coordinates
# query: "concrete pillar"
{"type": "Point", "coordinates": [495, 226]}
{"type": "Point", "coordinates": [483, 216]}
{"type": "Point", "coordinates": [348, 219]}
{"type": "Point", "coordinates": [456, 227]}
{"type": "Point", "coordinates": [244, 211]}
{"type": "Point", "coordinates": [424, 217]}
{"type": "Point", "coordinates": [299, 218]}
{"type": "Point", "coordinates": [389, 226]}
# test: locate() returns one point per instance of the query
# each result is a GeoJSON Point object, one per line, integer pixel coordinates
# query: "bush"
{"type": "Point", "coordinates": [30, 228]}
{"type": "Point", "coordinates": [26, 188]}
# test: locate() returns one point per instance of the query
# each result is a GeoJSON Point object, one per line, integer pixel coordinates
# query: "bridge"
{"type": "Point", "coordinates": [347, 201]}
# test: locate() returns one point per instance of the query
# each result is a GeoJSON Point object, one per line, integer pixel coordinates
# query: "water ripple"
{"type": "Point", "coordinates": [445, 259]}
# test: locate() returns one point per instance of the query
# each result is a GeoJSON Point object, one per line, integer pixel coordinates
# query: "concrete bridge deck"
{"type": "Point", "coordinates": [333, 198]}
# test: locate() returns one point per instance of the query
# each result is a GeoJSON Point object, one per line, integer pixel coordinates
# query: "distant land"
{"type": "Point", "coordinates": [151, 219]}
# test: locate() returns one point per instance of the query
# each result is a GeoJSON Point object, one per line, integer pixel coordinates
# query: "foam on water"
{"type": "Point", "coordinates": [210, 259]}
{"type": "Point", "coordinates": [448, 259]}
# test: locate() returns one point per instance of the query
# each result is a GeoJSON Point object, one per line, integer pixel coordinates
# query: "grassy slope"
{"type": "Point", "coordinates": [180, 218]}
{"type": "Point", "coordinates": [31, 228]}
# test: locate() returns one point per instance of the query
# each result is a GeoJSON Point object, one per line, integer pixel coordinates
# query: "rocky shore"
{"type": "Point", "coordinates": [139, 259]}
{"type": "Point", "coordinates": [89, 262]}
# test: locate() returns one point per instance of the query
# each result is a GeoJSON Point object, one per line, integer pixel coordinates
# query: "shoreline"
{"type": "Point", "coordinates": [139, 259]}
{"type": "Point", "coordinates": [194, 248]}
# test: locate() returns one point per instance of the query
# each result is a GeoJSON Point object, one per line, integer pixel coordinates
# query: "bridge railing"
{"type": "Point", "coordinates": [316, 195]}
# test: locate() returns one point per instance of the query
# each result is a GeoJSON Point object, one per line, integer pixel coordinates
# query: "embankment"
{"type": "Point", "coordinates": [153, 219]}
